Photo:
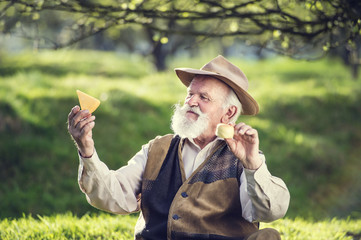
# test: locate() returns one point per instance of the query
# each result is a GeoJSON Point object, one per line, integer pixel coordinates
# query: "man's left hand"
{"type": "Point", "coordinates": [245, 146]}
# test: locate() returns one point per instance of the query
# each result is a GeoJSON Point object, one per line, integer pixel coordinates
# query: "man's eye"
{"type": "Point", "coordinates": [205, 98]}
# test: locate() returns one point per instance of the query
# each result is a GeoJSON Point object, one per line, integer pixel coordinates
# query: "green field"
{"type": "Point", "coordinates": [309, 127]}
{"type": "Point", "coordinates": [108, 227]}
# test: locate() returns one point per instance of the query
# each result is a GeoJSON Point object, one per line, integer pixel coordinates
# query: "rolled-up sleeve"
{"type": "Point", "coordinates": [269, 194]}
{"type": "Point", "coordinates": [109, 190]}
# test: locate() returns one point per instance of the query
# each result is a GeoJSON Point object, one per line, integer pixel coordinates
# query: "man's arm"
{"type": "Point", "coordinates": [113, 191]}
{"type": "Point", "coordinates": [264, 198]}
{"type": "Point", "coordinates": [269, 194]}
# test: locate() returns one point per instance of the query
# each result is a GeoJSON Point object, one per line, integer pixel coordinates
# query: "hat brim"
{"type": "Point", "coordinates": [249, 105]}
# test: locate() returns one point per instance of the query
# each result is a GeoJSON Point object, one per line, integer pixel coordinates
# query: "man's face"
{"type": "Point", "coordinates": [208, 94]}
{"type": "Point", "coordinates": [202, 110]}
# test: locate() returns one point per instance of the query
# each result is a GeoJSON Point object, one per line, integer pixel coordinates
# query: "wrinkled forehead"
{"type": "Point", "coordinates": [209, 84]}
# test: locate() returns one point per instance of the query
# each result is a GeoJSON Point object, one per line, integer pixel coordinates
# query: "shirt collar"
{"type": "Point", "coordinates": [209, 145]}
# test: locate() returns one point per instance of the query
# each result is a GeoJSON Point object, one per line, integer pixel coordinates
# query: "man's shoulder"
{"type": "Point", "coordinates": [163, 140]}
{"type": "Point", "coordinates": [164, 137]}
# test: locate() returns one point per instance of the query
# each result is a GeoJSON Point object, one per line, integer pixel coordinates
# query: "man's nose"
{"type": "Point", "coordinates": [192, 101]}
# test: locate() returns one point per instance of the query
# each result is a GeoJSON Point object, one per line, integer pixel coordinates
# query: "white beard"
{"type": "Point", "coordinates": [188, 128]}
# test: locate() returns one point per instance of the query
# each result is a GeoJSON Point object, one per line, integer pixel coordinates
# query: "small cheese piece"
{"type": "Point", "coordinates": [224, 130]}
{"type": "Point", "coordinates": [87, 102]}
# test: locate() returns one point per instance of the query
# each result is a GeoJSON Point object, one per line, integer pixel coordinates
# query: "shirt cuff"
{"type": "Point", "coordinates": [256, 176]}
{"type": "Point", "coordinates": [87, 163]}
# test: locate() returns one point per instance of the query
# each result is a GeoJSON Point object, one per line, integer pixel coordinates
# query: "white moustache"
{"type": "Point", "coordinates": [196, 110]}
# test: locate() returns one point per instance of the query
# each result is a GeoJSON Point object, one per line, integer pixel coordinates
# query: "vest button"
{"type": "Point", "coordinates": [184, 194]}
{"type": "Point", "coordinates": [175, 217]}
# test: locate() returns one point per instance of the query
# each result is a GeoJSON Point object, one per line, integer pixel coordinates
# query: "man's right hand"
{"type": "Point", "coordinates": [80, 125]}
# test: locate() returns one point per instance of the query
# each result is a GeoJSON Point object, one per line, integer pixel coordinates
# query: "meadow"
{"type": "Point", "coordinates": [109, 227]}
{"type": "Point", "coordinates": [309, 126]}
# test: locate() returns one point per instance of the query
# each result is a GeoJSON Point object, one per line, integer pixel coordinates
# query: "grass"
{"type": "Point", "coordinates": [68, 226]}
{"type": "Point", "coordinates": [105, 226]}
{"type": "Point", "coordinates": [309, 126]}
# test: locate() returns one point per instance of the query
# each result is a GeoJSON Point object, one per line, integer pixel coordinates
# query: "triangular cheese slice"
{"type": "Point", "coordinates": [87, 102]}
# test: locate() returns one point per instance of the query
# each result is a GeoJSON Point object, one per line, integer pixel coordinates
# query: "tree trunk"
{"type": "Point", "coordinates": [355, 71]}
{"type": "Point", "coordinates": [158, 52]}
{"type": "Point", "coordinates": [354, 58]}
{"type": "Point", "coordinates": [159, 55]}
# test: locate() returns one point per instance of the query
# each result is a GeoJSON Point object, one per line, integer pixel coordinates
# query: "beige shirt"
{"type": "Point", "coordinates": [263, 197]}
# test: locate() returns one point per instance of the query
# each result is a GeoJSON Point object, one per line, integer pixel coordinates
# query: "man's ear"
{"type": "Point", "coordinates": [231, 111]}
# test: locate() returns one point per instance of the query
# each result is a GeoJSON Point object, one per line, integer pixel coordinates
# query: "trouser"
{"type": "Point", "coordinates": [265, 234]}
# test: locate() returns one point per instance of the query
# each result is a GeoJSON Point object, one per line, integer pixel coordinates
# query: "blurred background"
{"type": "Point", "coordinates": [302, 60]}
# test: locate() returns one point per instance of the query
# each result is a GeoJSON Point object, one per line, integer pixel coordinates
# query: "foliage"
{"type": "Point", "coordinates": [298, 28]}
{"type": "Point", "coordinates": [308, 125]}
{"type": "Point", "coordinates": [296, 18]}
{"type": "Point", "coordinates": [105, 226]}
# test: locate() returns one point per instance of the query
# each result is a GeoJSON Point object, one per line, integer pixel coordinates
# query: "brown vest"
{"type": "Point", "coordinates": [204, 206]}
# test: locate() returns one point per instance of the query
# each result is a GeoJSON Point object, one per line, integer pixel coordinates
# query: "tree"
{"type": "Point", "coordinates": [301, 28]}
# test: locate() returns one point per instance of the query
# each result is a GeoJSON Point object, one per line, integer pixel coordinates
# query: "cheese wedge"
{"type": "Point", "coordinates": [87, 102]}
{"type": "Point", "coordinates": [224, 130]}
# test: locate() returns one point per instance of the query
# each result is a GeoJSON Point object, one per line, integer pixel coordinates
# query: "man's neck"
{"type": "Point", "coordinates": [202, 141]}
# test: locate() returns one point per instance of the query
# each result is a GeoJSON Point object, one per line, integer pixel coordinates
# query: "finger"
{"type": "Point", "coordinates": [242, 130]}
{"type": "Point", "coordinates": [80, 116]}
{"type": "Point", "coordinates": [251, 132]}
{"type": "Point", "coordinates": [72, 113]}
{"type": "Point", "coordinates": [231, 143]}
{"type": "Point", "coordinates": [87, 128]}
{"type": "Point", "coordinates": [85, 121]}
{"type": "Point", "coordinates": [238, 126]}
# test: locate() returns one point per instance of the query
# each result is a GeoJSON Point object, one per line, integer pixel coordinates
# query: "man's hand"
{"type": "Point", "coordinates": [80, 125]}
{"type": "Point", "coordinates": [245, 146]}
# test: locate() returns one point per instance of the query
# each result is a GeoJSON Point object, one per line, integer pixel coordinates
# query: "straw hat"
{"type": "Point", "coordinates": [225, 71]}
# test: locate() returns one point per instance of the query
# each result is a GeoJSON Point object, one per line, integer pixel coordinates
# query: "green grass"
{"type": "Point", "coordinates": [105, 226]}
{"type": "Point", "coordinates": [309, 126]}
{"type": "Point", "coordinates": [68, 226]}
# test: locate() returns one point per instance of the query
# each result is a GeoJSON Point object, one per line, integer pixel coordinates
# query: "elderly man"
{"type": "Point", "coordinates": [191, 184]}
